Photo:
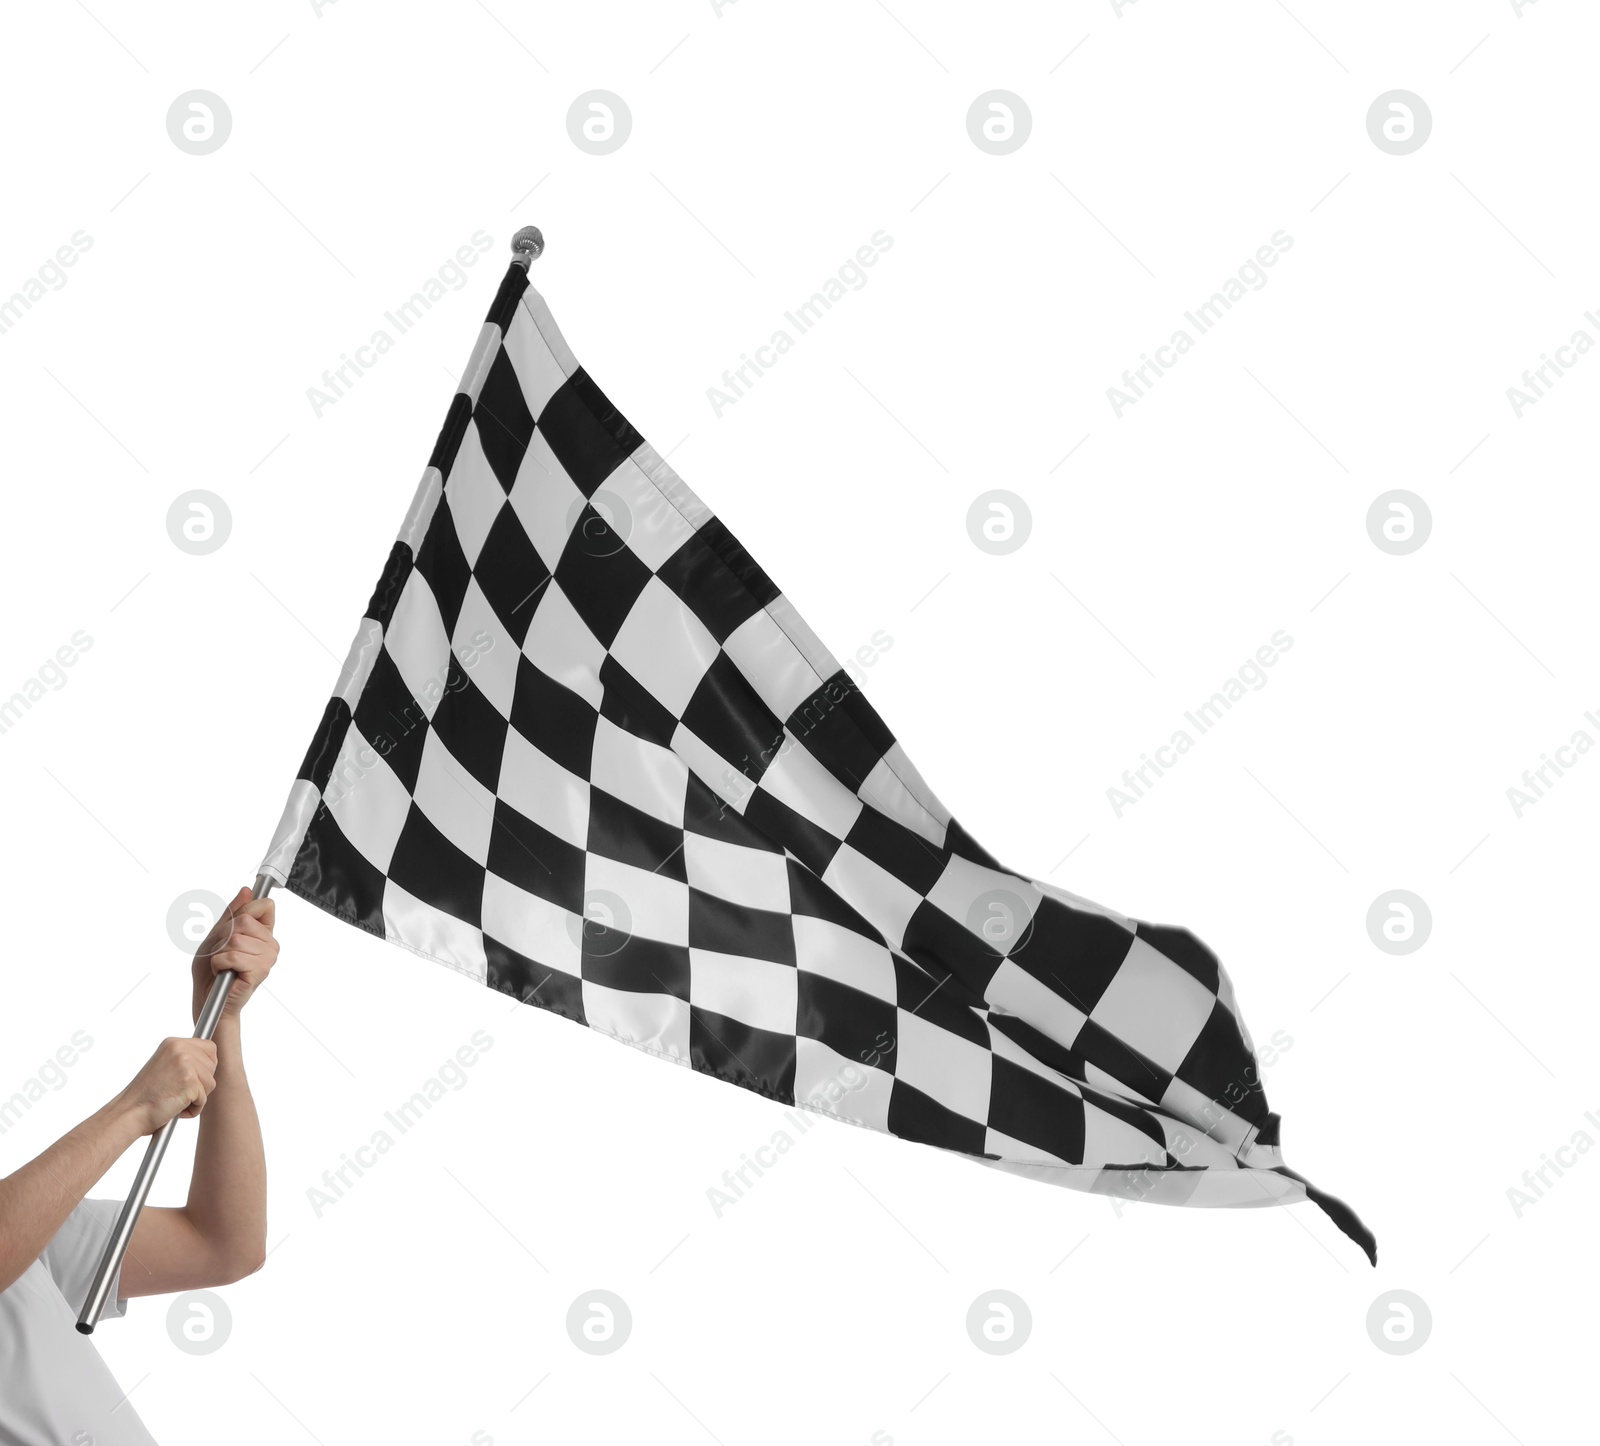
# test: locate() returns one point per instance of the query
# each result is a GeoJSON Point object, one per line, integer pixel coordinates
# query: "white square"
{"type": "Point", "coordinates": [1014, 1151]}
{"type": "Point", "coordinates": [873, 892]}
{"type": "Point", "coordinates": [886, 791]}
{"type": "Point", "coordinates": [366, 799]}
{"type": "Point", "coordinates": [541, 789]}
{"type": "Point", "coordinates": [665, 646]}
{"type": "Point", "coordinates": [486, 651]}
{"type": "Point", "coordinates": [546, 500]}
{"type": "Point", "coordinates": [999, 921]}
{"type": "Point", "coordinates": [654, 529]}
{"type": "Point", "coordinates": [797, 779]}
{"type": "Point", "coordinates": [777, 670]}
{"type": "Point", "coordinates": [644, 774]}
{"type": "Point", "coordinates": [752, 877]}
{"type": "Point", "coordinates": [1214, 1117]}
{"type": "Point", "coordinates": [906, 771]}
{"type": "Point", "coordinates": [656, 1022]}
{"type": "Point", "coordinates": [658, 907]}
{"type": "Point", "coordinates": [756, 992]}
{"type": "Point", "coordinates": [944, 1066]}
{"type": "Point", "coordinates": [537, 369]}
{"type": "Point", "coordinates": [1110, 1140]}
{"type": "Point", "coordinates": [560, 645]}
{"type": "Point", "coordinates": [1013, 990]}
{"type": "Point", "coordinates": [712, 769]}
{"type": "Point", "coordinates": [474, 494]}
{"type": "Point", "coordinates": [798, 631]}
{"type": "Point", "coordinates": [1154, 1006]}
{"type": "Point", "coordinates": [417, 642]}
{"type": "Point", "coordinates": [847, 1089]}
{"type": "Point", "coordinates": [822, 947]}
{"type": "Point", "coordinates": [455, 803]}
{"type": "Point", "coordinates": [433, 933]}
{"type": "Point", "coordinates": [534, 927]}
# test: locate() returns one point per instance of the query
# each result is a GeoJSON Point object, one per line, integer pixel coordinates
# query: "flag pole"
{"type": "Point", "coordinates": [117, 1245]}
{"type": "Point", "coordinates": [526, 247]}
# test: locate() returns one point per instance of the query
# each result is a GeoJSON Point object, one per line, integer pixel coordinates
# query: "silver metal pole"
{"type": "Point", "coordinates": [117, 1246]}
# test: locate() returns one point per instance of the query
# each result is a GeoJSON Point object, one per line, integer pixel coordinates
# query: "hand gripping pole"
{"type": "Point", "coordinates": [117, 1246]}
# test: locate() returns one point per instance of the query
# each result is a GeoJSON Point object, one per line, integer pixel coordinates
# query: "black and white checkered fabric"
{"type": "Point", "coordinates": [584, 750]}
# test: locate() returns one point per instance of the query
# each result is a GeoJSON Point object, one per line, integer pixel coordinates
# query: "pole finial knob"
{"type": "Point", "coordinates": [527, 246]}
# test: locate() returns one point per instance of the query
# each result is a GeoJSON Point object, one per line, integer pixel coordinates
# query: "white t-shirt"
{"type": "Point", "coordinates": [54, 1388]}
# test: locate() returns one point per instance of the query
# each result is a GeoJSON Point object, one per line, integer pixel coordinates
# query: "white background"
{"type": "Point", "coordinates": [367, 145]}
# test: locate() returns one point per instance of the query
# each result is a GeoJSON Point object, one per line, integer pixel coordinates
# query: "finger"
{"type": "Point", "coordinates": [242, 961]}
{"type": "Point", "coordinates": [263, 910]}
{"type": "Point", "coordinates": [250, 926]}
{"type": "Point", "coordinates": [238, 902]}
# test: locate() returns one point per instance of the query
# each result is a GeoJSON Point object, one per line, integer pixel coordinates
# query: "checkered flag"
{"type": "Point", "coordinates": [584, 751]}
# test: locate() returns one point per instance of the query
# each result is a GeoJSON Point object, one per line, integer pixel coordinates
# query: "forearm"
{"type": "Point", "coordinates": [227, 1202]}
{"type": "Point", "coordinates": [38, 1197]}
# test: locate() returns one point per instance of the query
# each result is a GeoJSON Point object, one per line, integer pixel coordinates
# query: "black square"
{"type": "Point", "coordinates": [601, 588]}
{"type": "Point", "coordinates": [1076, 952]}
{"type": "Point", "coordinates": [427, 865]}
{"type": "Point", "coordinates": [1185, 950]}
{"type": "Point", "coordinates": [1130, 1114]}
{"type": "Point", "coordinates": [717, 579]}
{"type": "Point", "coordinates": [335, 875]}
{"type": "Point", "coordinates": [380, 607]}
{"type": "Point", "coordinates": [505, 425]}
{"type": "Point", "coordinates": [323, 750]}
{"type": "Point", "coordinates": [916, 1116]}
{"type": "Point", "coordinates": [709, 815]}
{"type": "Point", "coordinates": [553, 718]}
{"type": "Point", "coordinates": [849, 1021]}
{"type": "Point", "coordinates": [727, 714]}
{"type": "Point", "coordinates": [940, 998]}
{"type": "Point", "coordinates": [809, 896]}
{"type": "Point", "coordinates": [533, 983]}
{"type": "Point", "coordinates": [632, 707]}
{"type": "Point", "coordinates": [941, 946]}
{"type": "Point", "coordinates": [842, 730]}
{"type": "Point", "coordinates": [391, 720]}
{"type": "Point", "coordinates": [729, 928]}
{"type": "Point", "coordinates": [588, 435]}
{"type": "Point", "coordinates": [1221, 1067]}
{"type": "Point", "coordinates": [963, 845]}
{"type": "Point", "coordinates": [619, 960]}
{"type": "Point", "coordinates": [618, 830]}
{"type": "Point", "coordinates": [1036, 1111]}
{"type": "Point", "coordinates": [533, 858]}
{"type": "Point", "coordinates": [511, 573]}
{"type": "Point", "coordinates": [758, 1059]}
{"type": "Point", "coordinates": [1059, 1057]}
{"type": "Point", "coordinates": [444, 566]}
{"type": "Point", "coordinates": [456, 420]}
{"type": "Point", "coordinates": [1122, 1062]}
{"type": "Point", "coordinates": [812, 844]}
{"type": "Point", "coordinates": [470, 726]}
{"type": "Point", "coordinates": [899, 850]}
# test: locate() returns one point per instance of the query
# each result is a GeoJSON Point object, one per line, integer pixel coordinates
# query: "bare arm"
{"type": "Point", "coordinates": [36, 1199]}
{"type": "Point", "coordinates": [219, 1235]}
